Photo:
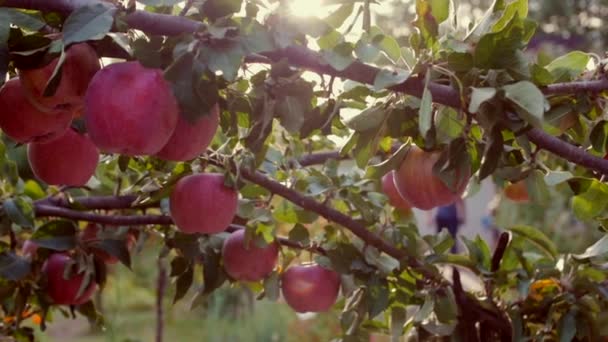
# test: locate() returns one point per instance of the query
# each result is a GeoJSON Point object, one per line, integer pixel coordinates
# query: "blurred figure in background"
{"type": "Point", "coordinates": [488, 221]}
{"type": "Point", "coordinates": [451, 217]}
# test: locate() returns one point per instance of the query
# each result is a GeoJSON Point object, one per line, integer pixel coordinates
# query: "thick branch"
{"type": "Point", "coordinates": [300, 56]}
{"type": "Point", "coordinates": [593, 86]}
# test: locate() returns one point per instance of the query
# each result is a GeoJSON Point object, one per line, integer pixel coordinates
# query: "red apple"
{"type": "Point", "coordinates": [90, 235]}
{"type": "Point", "coordinates": [22, 122]}
{"type": "Point", "coordinates": [310, 288]}
{"type": "Point", "coordinates": [130, 109]}
{"type": "Point", "coordinates": [80, 65]}
{"type": "Point", "coordinates": [29, 248]}
{"type": "Point", "coordinates": [201, 203]}
{"type": "Point", "coordinates": [68, 160]}
{"type": "Point", "coordinates": [389, 189]}
{"type": "Point", "coordinates": [420, 187]}
{"type": "Point", "coordinates": [191, 138]}
{"type": "Point", "coordinates": [248, 263]}
{"type": "Point", "coordinates": [65, 291]}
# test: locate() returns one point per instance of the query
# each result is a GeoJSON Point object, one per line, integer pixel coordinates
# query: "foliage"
{"type": "Point", "coordinates": [469, 93]}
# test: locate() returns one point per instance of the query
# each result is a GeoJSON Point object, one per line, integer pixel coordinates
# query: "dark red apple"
{"type": "Point", "coordinates": [201, 203]}
{"type": "Point", "coordinates": [130, 109]}
{"type": "Point", "coordinates": [517, 192]}
{"type": "Point", "coordinates": [65, 291]}
{"type": "Point", "coordinates": [248, 263]}
{"type": "Point", "coordinates": [80, 65]}
{"type": "Point", "coordinates": [22, 122]}
{"type": "Point", "coordinates": [420, 187]}
{"type": "Point", "coordinates": [191, 138]}
{"type": "Point", "coordinates": [68, 160]}
{"type": "Point", "coordinates": [389, 189]}
{"type": "Point", "coordinates": [310, 288]}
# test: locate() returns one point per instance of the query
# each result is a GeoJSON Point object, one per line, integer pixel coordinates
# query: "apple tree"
{"type": "Point", "coordinates": [287, 153]}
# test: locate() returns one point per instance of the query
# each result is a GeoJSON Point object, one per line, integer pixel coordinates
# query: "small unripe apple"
{"type": "Point", "coordinates": [80, 65]}
{"type": "Point", "coordinates": [22, 122]}
{"type": "Point", "coordinates": [90, 234]}
{"type": "Point", "coordinates": [191, 138]}
{"type": "Point", "coordinates": [248, 263]}
{"type": "Point", "coordinates": [65, 291]}
{"type": "Point", "coordinates": [201, 203]}
{"type": "Point", "coordinates": [517, 192]}
{"type": "Point", "coordinates": [389, 189]}
{"type": "Point", "coordinates": [420, 187]}
{"type": "Point", "coordinates": [68, 160]}
{"type": "Point", "coordinates": [130, 109]}
{"type": "Point", "coordinates": [310, 288]}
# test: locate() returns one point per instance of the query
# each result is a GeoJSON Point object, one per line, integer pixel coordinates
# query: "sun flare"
{"type": "Point", "coordinates": [305, 8]}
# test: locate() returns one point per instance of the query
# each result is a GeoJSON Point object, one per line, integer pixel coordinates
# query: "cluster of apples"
{"type": "Point", "coordinates": [306, 288]}
{"type": "Point", "coordinates": [127, 108]}
{"type": "Point", "coordinates": [130, 110]}
{"type": "Point", "coordinates": [65, 290]}
{"type": "Point", "coordinates": [414, 184]}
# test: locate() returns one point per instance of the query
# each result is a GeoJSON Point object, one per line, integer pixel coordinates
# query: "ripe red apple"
{"type": "Point", "coordinates": [130, 109]}
{"type": "Point", "coordinates": [90, 234]}
{"type": "Point", "coordinates": [80, 65]}
{"type": "Point", "coordinates": [310, 288]}
{"type": "Point", "coordinates": [22, 122]}
{"type": "Point", "coordinates": [68, 160]}
{"type": "Point", "coordinates": [201, 203]}
{"type": "Point", "coordinates": [29, 248]}
{"type": "Point", "coordinates": [191, 138]}
{"type": "Point", "coordinates": [65, 291]}
{"type": "Point", "coordinates": [420, 187]}
{"type": "Point", "coordinates": [517, 192]}
{"type": "Point", "coordinates": [389, 189]}
{"type": "Point", "coordinates": [248, 263]}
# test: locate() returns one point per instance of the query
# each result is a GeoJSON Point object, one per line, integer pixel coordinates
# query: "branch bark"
{"type": "Point", "coordinates": [300, 56]}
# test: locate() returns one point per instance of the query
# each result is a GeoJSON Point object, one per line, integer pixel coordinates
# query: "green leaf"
{"type": "Point", "coordinates": [58, 235]}
{"type": "Point", "coordinates": [90, 22]}
{"type": "Point", "coordinates": [537, 238]}
{"type": "Point", "coordinates": [271, 286]}
{"type": "Point", "coordinates": [55, 79]}
{"type": "Point", "coordinates": [377, 296]}
{"type": "Point", "coordinates": [425, 121]}
{"type": "Point", "coordinates": [440, 10]}
{"type": "Point", "coordinates": [598, 249]}
{"type": "Point", "coordinates": [159, 2]}
{"type": "Point", "coordinates": [285, 212]}
{"type": "Point", "coordinates": [537, 188]}
{"type": "Point", "coordinates": [386, 78]}
{"type": "Point", "coordinates": [566, 329]}
{"type": "Point", "coordinates": [299, 234]}
{"type": "Point", "coordinates": [13, 267]}
{"type": "Point", "coordinates": [392, 163]}
{"type": "Point", "coordinates": [599, 136]}
{"type": "Point", "coordinates": [398, 319]}
{"type": "Point", "coordinates": [22, 19]}
{"type": "Point", "coordinates": [20, 210]}
{"type": "Point", "coordinates": [337, 18]}
{"type": "Point", "coordinates": [366, 52]}
{"type": "Point", "coordinates": [446, 308]}
{"type": "Point", "coordinates": [529, 99]}
{"type": "Point", "coordinates": [553, 178]}
{"type": "Point", "coordinates": [116, 248]}
{"type": "Point", "coordinates": [215, 9]}
{"type": "Point", "coordinates": [183, 284]}
{"type": "Point", "coordinates": [371, 118]}
{"type": "Point", "coordinates": [479, 96]}
{"type": "Point", "coordinates": [330, 40]}
{"type": "Point", "coordinates": [339, 57]}
{"type": "Point", "coordinates": [425, 310]}
{"type": "Point", "coordinates": [388, 45]}
{"type": "Point", "coordinates": [592, 202]}
{"type": "Point", "coordinates": [33, 190]}
{"type": "Point", "coordinates": [492, 154]}
{"type": "Point", "coordinates": [225, 59]}
{"type": "Point", "coordinates": [568, 66]}
{"type": "Point", "coordinates": [293, 111]}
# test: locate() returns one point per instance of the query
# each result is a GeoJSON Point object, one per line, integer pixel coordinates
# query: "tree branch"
{"type": "Point", "coordinates": [301, 56]}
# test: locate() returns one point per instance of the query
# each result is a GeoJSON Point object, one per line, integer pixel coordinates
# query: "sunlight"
{"type": "Point", "coordinates": [304, 8]}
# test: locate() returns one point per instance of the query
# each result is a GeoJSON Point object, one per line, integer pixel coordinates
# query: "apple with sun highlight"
{"type": "Point", "coordinates": [389, 189]}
